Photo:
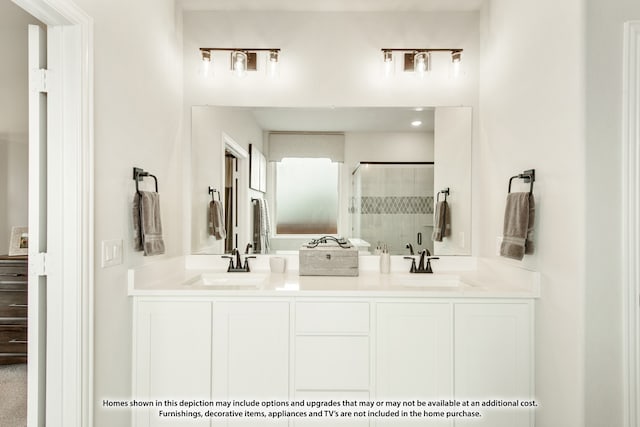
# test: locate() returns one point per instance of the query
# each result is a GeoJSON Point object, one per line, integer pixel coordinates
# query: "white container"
{"type": "Point", "coordinates": [277, 264]}
{"type": "Point", "coordinates": [385, 263]}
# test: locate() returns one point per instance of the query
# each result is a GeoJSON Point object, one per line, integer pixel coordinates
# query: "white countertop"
{"type": "Point", "coordinates": [181, 276]}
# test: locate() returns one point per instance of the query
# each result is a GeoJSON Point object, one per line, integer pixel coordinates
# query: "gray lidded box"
{"type": "Point", "coordinates": [328, 259]}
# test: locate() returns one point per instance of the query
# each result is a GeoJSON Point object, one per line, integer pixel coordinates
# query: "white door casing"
{"type": "Point", "coordinates": [631, 220]}
{"type": "Point", "coordinates": [69, 219]}
{"type": "Point", "coordinates": [37, 62]}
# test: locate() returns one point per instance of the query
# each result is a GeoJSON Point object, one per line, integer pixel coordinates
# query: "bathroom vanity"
{"type": "Point", "coordinates": [209, 335]}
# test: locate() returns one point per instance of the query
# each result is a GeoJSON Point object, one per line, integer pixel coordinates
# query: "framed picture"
{"type": "Point", "coordinates": [19, 244]}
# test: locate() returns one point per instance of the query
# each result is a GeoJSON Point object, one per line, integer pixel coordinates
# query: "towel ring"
{"type": "Point", "coordinates": [139, 174]}
{"type": "Point", "coordinates": [445, 192]}
{"type": "Point", "coordinates": [212, 191]}
{"type": "Point", "coordinates": [529, 176]}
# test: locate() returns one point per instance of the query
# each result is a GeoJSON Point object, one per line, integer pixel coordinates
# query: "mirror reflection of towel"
{"type": "Point", "coordinates": [442, 221]}
{"type": "Point", "coordinates": [261, 226]}
{"type": "Point", "coordinates": [216, 220]}
{"type": "Point", "coordinates": [147, 226]}
{"type": "Point", "coordinates": [519, 215]}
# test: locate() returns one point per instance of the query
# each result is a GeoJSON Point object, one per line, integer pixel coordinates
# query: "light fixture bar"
{"type": "Point", "coordinates": [421, 49]}
{"type": "Point", "coordinates": [242, 49]}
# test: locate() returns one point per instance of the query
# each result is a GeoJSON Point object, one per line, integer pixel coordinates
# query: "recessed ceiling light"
{"type": "Point", "coordinates": [416, 123]}
{"type": "Point", "coordinates": [418, 109]}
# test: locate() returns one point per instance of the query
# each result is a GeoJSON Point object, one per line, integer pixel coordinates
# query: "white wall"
{"type": "Point", "coordinates": [138, 122]}
{"type": "Point", "coordinates": [532, 116]}
{"type": "Point", "coordinates": [14, 124]}
{"type": "Point", "coordinates": [604, 305]}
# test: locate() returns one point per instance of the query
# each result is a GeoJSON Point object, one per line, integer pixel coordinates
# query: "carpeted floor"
{"type": "Point", "coordinates": [13, 395]}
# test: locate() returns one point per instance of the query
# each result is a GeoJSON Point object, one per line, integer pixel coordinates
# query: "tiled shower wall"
{"type": "Point", "coordinates": [391, 204]}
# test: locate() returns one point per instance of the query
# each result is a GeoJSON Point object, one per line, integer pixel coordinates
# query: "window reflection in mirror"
{"type": "Point", "coordinates": [307, 194]}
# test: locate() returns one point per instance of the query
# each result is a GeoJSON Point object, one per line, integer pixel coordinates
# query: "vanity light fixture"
{"type": "Point", "coordinates": [242, 59]}
{"type": "Point", "coordinates": [419, 60]}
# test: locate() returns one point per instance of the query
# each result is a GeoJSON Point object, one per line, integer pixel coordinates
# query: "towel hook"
{"type": "Point", "coordinates": [529, 176]}
{"type": "Point", "coordinates": [212, 191]}
{"type": "Point", "coordinates": [139, 174]}
{"type": "Point", "coordinates": [445, 192]}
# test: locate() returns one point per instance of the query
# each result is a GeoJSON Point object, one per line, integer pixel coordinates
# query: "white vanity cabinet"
{"type": "Point", "coordinates": [211, 350]}
{"type": "Point", "coordinates": [494, 359]}
{"type": "Point", "coordinates": [414, 356]}
{"type": "Point", "coordinates": [172, 357]}
{"type": "Point", "coordinates": [250, 350]}
{"type": "Point", "coordinates": [332, 355]}
{"type": "Point", "coordinates": [335, 348]}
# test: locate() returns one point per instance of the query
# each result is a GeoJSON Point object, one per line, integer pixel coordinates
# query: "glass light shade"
{"type": "Point", "coordinates": [273, 63]}
{"type": "Point", "coordinates": [456, 64]}
{"type": "Point", "coordinates": [388, 63]}
{"type": "Point", "coordinates": [421, 63]}
{"type": "Point", "coordinates": [206, 63]}
{"type": "Point", "coordinates": [239, 63]}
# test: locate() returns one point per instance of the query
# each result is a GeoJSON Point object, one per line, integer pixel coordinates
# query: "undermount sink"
{"type": "Point", "coordinates": [424, 280]}
{"type": "Point", "coordinates": [229, 280]}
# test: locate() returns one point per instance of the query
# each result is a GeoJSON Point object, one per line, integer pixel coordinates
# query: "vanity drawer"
{"type": "Point", "coordinates": [332, 317]}
{"type": "Point", "coordinates": [13, 303]}
{"type": "Point", "coordinates": [13, 339]}
{"type": "Point", "coordinates": [332, 363]}
{"type": "Point", "coordinates": [13, 268]}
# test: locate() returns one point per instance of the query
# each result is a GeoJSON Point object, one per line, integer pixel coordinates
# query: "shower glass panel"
{"type": "Point", "coordinates": [392, 204]}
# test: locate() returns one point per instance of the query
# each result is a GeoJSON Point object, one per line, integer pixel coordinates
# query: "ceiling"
{"type": "Point", "coordinates": [343, 119]}
{"type": "Point", "coordinates": [333, 5]}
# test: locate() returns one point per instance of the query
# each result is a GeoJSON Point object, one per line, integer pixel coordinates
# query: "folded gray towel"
{"type": "Point", "coordinates": [216, 221]}
{"type": "Point", "coordinates": [442, 225]}
{"type": "Point", "coordinates": [519, 215]}
{"type": "Point", "coordinates": [147, 226]}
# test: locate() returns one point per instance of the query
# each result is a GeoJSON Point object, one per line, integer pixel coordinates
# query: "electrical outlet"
{"type": "Point", "coordinates": [111, 253]}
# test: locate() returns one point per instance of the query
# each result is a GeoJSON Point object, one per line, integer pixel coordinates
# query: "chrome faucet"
{"type": "Point", "coordinates": [238, 267]}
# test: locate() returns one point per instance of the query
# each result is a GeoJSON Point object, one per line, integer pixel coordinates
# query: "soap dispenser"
{"type": "Point", "coordinates": [385, 260]}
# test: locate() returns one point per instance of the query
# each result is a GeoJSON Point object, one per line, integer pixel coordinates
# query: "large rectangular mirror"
{"type": "Point", "coordinates": [370, 174]}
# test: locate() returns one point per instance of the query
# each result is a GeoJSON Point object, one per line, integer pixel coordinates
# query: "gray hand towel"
{"type": "Point", "coordinates": [442, 225]}
{"type": "Point", "coordinates": [216, 221]}
{"type": "Point", "coordinates": [519, 215]}
{"type": "Point", "coordinates": [147, 226]}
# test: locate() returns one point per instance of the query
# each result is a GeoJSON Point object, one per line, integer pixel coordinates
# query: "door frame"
{"type": "Point", "coordinates": [631, 221]}
{"type": "Point", "coordinates": [70, 255]}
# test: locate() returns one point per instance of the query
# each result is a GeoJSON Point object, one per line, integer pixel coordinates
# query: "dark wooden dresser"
{"type": "Point", "coordinates": [13, 309]}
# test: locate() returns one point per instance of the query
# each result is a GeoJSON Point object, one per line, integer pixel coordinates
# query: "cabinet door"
{"type": "Point", "coordinates": [493, 360]}
{"type": "Point", "coordinates": [172, 358]}
{"type": "Point", "coordinates": [251, 354]}
{"type": "Point", "coordinates": [413, 357]}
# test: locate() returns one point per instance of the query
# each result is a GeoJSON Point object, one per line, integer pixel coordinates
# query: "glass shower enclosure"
{"type": "Point", "coordinates": [392, 204]}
